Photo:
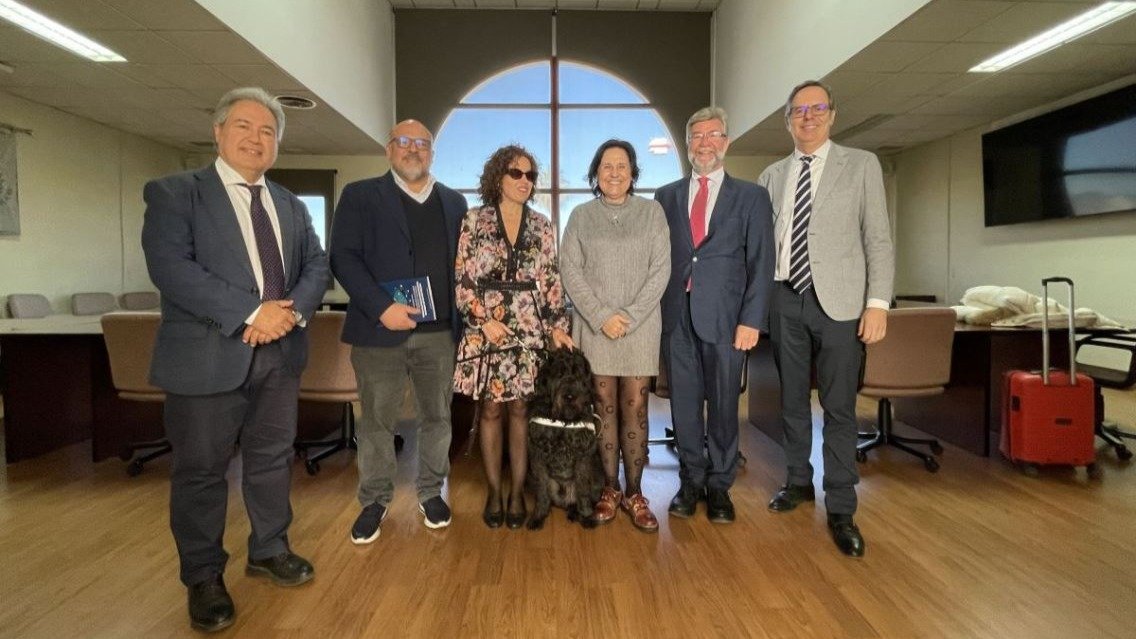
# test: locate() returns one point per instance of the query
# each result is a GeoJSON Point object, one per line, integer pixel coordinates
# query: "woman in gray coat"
{"type": "Point", "coordinates": [614, 264]}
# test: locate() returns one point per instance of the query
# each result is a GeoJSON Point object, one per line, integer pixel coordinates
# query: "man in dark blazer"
{"type": "Point", "coordinates": [240, 270]}
{"type": "Point", "coordinates": [401, 225]}
{"type": "Point", "coordinates": [835, 269]}
{"type": "Point", "coordinates": [714, 308]}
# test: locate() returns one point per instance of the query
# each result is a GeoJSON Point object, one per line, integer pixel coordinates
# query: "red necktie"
{"type": "Point", "coordinates": [698, 211]}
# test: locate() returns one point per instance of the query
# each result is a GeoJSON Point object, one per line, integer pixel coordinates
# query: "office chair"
{"type": "Point", "coordinates": [93, 303]}
{"type": "Point", "coordinates": [913, 360]}
{"type": "Point", "coordinates": [129, 340]}
{"type": "Point", "coordinates": [28, 306]}
{"type": "Point", "coordinates": [329, 377]}
{"type": "Point", "coordinates": [1121, 377]}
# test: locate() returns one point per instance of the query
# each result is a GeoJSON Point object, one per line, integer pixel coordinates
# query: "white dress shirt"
{"type": "Point", "coordinates": [816, 171]}
{"type": "Point", "coordinates": [714, 185]}
{"type": "Point", "coordinates": [241, 198]}
{"type": "Point", "coordinates": [419, 197]}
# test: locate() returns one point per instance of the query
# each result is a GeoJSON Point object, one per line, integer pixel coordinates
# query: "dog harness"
{"type": "Point", "coordinates": [544, 421]}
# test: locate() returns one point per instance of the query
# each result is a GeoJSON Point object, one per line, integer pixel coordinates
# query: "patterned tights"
{"type": "Point", "coordinates": [622, 407]}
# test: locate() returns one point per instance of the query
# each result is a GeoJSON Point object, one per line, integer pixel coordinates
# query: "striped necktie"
{"type": "Point", "coordinates": [266, 247]}
{"type": "Point", "coordinates": [800, 275]}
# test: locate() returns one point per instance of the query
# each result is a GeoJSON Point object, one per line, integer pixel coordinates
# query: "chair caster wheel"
{"type": "Point", "coordinates": [936, 448]}
{"type": "Point", "coordinates": [1094, 471]}
{"type": "Point", "coordinates": [1123, 454]}
{"type": "Point", "coordinates": [1030, 470]}
{"type": "Point", "coordinates": [931, 465]}
{"type": "Point", "coordinates": [134, 469]}
{"type": "Point", "coordinates": [861, 456]}
{"type": "Point", "coordinates": [312, 467]}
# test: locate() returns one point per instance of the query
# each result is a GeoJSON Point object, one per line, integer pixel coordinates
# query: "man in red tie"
{"type": "Point", "coordinates": [714, 310]}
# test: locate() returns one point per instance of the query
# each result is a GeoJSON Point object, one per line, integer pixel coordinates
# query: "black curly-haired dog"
{"type": "Point", "coordinates": [564, 459]}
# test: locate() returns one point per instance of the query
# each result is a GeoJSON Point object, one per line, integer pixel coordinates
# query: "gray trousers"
{"type": "Point", "coordinates": [426, 360]}
{"type": "Point", "coordinates": [801, 332]}
{"type": "Point", "coordinates": [203, 432]}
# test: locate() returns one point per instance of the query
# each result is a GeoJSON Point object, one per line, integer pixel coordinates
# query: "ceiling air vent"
{"type": "Point", "coordinates": [296, 102]}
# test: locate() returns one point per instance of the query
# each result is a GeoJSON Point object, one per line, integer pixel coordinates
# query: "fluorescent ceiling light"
{"type": "Point", "coordinates": [1083, 24]}
{"type": "Point", "coordinates": [56, 33]}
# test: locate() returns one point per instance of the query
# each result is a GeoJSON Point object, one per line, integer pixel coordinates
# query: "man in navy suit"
{"type": "Point", "coordinates": [401, 225]}
{"type": "Point", "coordinates": [714, 310]}
{"type": "Point", "coordinates": [240, 270]}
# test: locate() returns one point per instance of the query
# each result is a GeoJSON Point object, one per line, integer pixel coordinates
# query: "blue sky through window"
{"type": "Point", "coordinates": [471, 133]}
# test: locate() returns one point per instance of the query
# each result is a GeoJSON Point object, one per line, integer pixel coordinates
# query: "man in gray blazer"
{"type": "Point", "coordinates": [835, 266]}
{"type": "Point", "coordinates": [240, 270]}
{"type": "Point", "coordinates": [714, 308]}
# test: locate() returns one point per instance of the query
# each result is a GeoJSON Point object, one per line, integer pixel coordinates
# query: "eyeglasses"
{"type": "Point", "coordinates": [713, 136]}
{"type": "Point", "coordinates": [404, 142]}
{"type": "Point", "coordinates": [818, 109]}
{"type": "Point", "coordinates": [517, 174]}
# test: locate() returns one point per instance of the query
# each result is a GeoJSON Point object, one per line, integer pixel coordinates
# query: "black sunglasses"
{"type": "Point", "coordinates": [517, 174]}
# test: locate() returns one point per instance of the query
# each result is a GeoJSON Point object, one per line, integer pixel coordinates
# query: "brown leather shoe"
{"type": "Point", "coordinates": [607, 506]}
{"type": "Point", "coordinates": [641, 515]}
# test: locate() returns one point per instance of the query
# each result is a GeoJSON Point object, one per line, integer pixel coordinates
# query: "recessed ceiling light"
{"type": "Point", "coordinates": [55, 33]}
{"type": "Point", "coordinates": [1083, 24]}
{"type": "Point", "coordinates": [296, 102]}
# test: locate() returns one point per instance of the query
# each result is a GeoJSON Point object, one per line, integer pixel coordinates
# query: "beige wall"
{"type": "Point", "coordinates": [944, 248]}
{"type": "Point", "coordinates": [80, 190]}
{"type": "Point", "coordinates": [749, 167]}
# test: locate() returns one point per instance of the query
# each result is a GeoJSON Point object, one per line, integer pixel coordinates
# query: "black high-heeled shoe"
{"type": "Point", "coordinates": [493, 519]}
{"type": "Point", "coordinates": [516, 520]}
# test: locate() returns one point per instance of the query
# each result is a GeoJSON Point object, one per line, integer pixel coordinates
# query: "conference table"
{"type": "Point", "coordinates": [967, 414]}
{"type": "Point", "coordinates": [56, 381]}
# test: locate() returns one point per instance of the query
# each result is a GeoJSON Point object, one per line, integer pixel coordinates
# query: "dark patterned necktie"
{"type": "Point", "coordinates": [266, 247]}
{"type": "Point", "coordinates": [800, 274]}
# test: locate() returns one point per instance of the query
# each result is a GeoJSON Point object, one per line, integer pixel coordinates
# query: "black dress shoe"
{"type": "Point", "coordinates": [846, 535]}
{"type": "Point", "coordinates": [493, 518]}
{"type": "Point", "coordinates": [210, 606]}
{"type": "Point", "coordinates": [685, 501]}
{"type": "Point", "coordinates": [516, 520]}
{"type": "Point", "coordinates": [790, 496]}
{"type": "Point", "coordinates": [719, 508]}
{"type": "Point", "coordinates": [285, 569]}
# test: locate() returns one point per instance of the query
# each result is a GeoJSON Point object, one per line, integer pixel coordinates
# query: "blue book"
{"type": "Point", "coordinates": [416, 292]}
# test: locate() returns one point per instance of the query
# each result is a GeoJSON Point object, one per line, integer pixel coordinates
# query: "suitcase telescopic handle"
{"type": "Point", "coordinates": [1045, 331]}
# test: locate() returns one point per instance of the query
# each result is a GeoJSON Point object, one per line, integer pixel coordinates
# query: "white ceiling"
{"type": "Point", "coordinates": [911, 86]}
{"type": "Point", "coordinates": [602, 5]}
{"type": "Point", "coordinates": [907, 88]}
{"type": "Point", "coordinates": [181, 61]}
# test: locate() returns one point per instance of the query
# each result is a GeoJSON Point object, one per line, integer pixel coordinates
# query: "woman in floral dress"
{"type": "Point", "coordinates": [512, 303]}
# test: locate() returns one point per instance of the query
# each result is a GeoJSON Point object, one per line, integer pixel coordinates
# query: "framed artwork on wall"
{"type": "Point", "coordinates": [9, 191]}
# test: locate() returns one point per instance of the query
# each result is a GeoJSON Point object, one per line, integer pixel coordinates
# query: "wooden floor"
{"type": "Point", "coordinates": [977, 550]}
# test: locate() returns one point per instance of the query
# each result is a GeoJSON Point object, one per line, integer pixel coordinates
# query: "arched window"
{"type": "Point", "coordinates": [561, 118]}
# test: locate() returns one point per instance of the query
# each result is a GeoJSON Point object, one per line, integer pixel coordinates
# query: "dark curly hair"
{"type": "Point", "coordinates": [594, 168]}
{"type": "Point", "coordinates": [494, 172]}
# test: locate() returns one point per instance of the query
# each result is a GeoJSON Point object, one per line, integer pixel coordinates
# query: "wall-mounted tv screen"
{"type": "Point", "coordinates": [1075, 161]}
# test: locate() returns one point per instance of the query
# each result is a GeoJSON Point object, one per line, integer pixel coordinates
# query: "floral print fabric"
{"type": "Point", "coordinates": [516, 284]}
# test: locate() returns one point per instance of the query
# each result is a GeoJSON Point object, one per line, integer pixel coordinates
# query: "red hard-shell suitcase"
{"type": "Point", "coordinates": [1047, 416]}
